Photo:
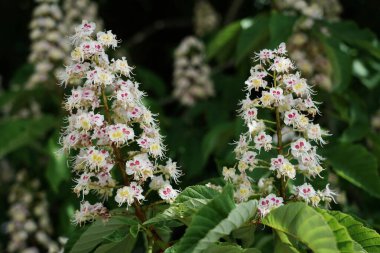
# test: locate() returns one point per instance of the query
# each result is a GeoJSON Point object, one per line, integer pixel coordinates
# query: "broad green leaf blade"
{"type": "Point", "coordinates": [280, 28]}
{"type": "Point", "coordinates": [95, 233]}
{"type": "Point", "coordinates": [368, 238]}
{"type": "Point", "coordinates": [245, 234]}
{"type": "Point", "coordinates": [213, 138]}
{"type": "Point", "coordinates": [222, 39]}
{"type": "Point", "coordinates": [16, 133]}
{"type": "Point", "coordinates": [355, 164]}
{"type": "Point", "coordinates": [283, 244]}
{"type": "Point", "coordinates": [341, 63]}
{"type": "Point", "coordinates": [187, 202]}
{"type": "Point", "coordinates": [125, 246]}
{"type": "Point", "coordinates": [343, 238]}
{"type": "Point", "coordinates": [196, 192]}
{"type": "Point", "coordinates": [223, 248]}
{"type": "Point", "coordinates": [216, 219]}
{"type": "Point", "coordinates": [304, 224]}
{"type": "Point", "coordinates": [57, 170]}
{"type": "Point", "coordinates": [254, 31]}
{"type": "Point", "coordinates": [349, 32]}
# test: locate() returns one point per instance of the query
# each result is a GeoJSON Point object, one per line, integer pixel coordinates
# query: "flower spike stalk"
{"type": "Point", "coordinates": [290, 137]}
{"type": "Point", "coordinates": [109, 128]}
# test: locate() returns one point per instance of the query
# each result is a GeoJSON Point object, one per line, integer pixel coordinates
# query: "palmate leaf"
{"type": "Point", "coordinates": [222, 40]}
{"type": "Point", "coordinates": [280, 28]}
{"type": "Point", "coordinates": [216, 219]}
{"type": "Point", "coordinates": [304, 224]}
{"type": "Point", "coordinates": [283, 244]}
{"type": "Point", "coordinates": [187, 202]}
{"type": "Point", "coordinates": [125, 246]}
{"type": "Point", "coordinates": [350, 161]}
{"type": "Point", "coordinates": [253, 32]}
{"type": "Point", "coordinates": [341, 63]}
{"type": "Point", "coordinates": [97, 232]}
{"type": "Point", "coordinates": [223, 248]}
{"type": "Point", "coordinates": [196, 192]}
{"type": "Point", "coordinates": [16, 133]}
{"type": "Point", "coordinates": [368, 238]}
{"type": "Point", "coordinates": [343, 238]}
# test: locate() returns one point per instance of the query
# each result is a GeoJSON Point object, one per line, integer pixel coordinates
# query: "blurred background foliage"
{"type": "Point", "coordinates": [198, 136]}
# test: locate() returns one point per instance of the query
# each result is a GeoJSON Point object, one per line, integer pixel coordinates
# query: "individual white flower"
{"type": "Point", "coordinates": [122, 66]}
{"type": "Point", "coordinates": [269, 203]}
{"type": "Point", "coordinates": [282, 65]}
{"type": "Point", "coordinates": [243, 192]}
{"type": "Point", "coordinates": [107, 39]}
{"type": "Point", "coordinates": [314, 132]}
{"type": "Point", "coordinates": [300, 148]}
{"type": "Point", "coordinates": [120, 134]}
{"type": "Point", "coordinates": [125, 195]}
{"type": "Point", "coordinates": [229, 173]}
{"type": "Point", "coordinates": [167, 193]}
{"type": "Point", "coordinates": [305, 192]}
{"type": "Point", "coordinates": [262, 140]}
{"type": "Point", "coordinates": [170, 170]}
{"type": "Point", "coordinates": [157, 183]}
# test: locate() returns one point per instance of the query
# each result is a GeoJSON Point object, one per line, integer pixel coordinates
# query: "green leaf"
{"type": "Point", "coordinates": [95, 233]}
{"type": "Point", "coordinates": [117, 235]}
{"type": "Point", "coordinates": [355, 164]}
{"type": "Point", "coordinates": [245, 234]}
{"type": "Point", "coordinates": [343, 238]}
{"type": "Point", "coordinates": [57, 170]}
{"type": "Point", "coordinates": [349, 32]}
{"type": "Point", "coordinates": [186, 203]}
{"type": "Point", "coordinates": [341, 63]}
{"type": "Point", "coordinates": [216, 219]}
{"type": "Point", "coordinates": [222, 39]}
{"type": "Point", "coordinates": [213, 138]}
{"type": "Point", "coordinates": [254, 32]}
{"type": "Point", "coordinates": [368, 238]}
{"type": "Point", "coordinates": [125, 246]}
{"type": "Point", "coordinates": [16, 133]}
{"type": "Point", "coordinates": [304, 224]}
{"type": "Point", "coordinates": [283, 244]}
{"type": "Point", "coordinates": [134, 230]}
{"type": "Point", "coordinates": [151, 81]}
{"type": "Point", "coordinates": [220, 248]}
{"type": "Point", "coordinates": [196, 192]}
{"type": "Point", "coordinates": [280, 28]}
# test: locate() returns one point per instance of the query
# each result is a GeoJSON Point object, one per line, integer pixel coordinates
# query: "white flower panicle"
{"type": "Point", "coordinates": [29, 227]}
{"type": "Point", "coordinates": [109, 127]}
{"type": "Point", "coordinates": [308, 53]}
{"type": "Point", "coordinates": [206, 19]}
{"type": "Point", "coordinates": [276, 86]}
{"type": "Point", "coordinates": [48, 45]}
{"type": "Point", "coordinates": [191, 78]}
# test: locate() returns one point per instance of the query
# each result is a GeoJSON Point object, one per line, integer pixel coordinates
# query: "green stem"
{"type": "Point", "coordinates": [283, 181]}
{"type": "Point", "coordinates": [121, 165]}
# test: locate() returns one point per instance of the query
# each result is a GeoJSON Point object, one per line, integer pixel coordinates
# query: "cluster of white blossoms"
{"type": "Point", "coordinates": [311, 10]}
{"type": "Point", "coordinates": [191, 73]}
{"type": "Point", "coordinates": [206, 19]}
{"type": "Point", "coordinates": [276, 86]}
{"type": "Point", "coordinates": [29, 227]}
{"type": "Point", "coordinates": [109, 127]}
{"type": "Point", "coordinates": [307, 52]}
{"type": "Point", "coordinates": [48, 45]}
{"type": "Point", "coordinates": [307, 193]}
{"type": "Point", "coordinates": [77, 10]}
